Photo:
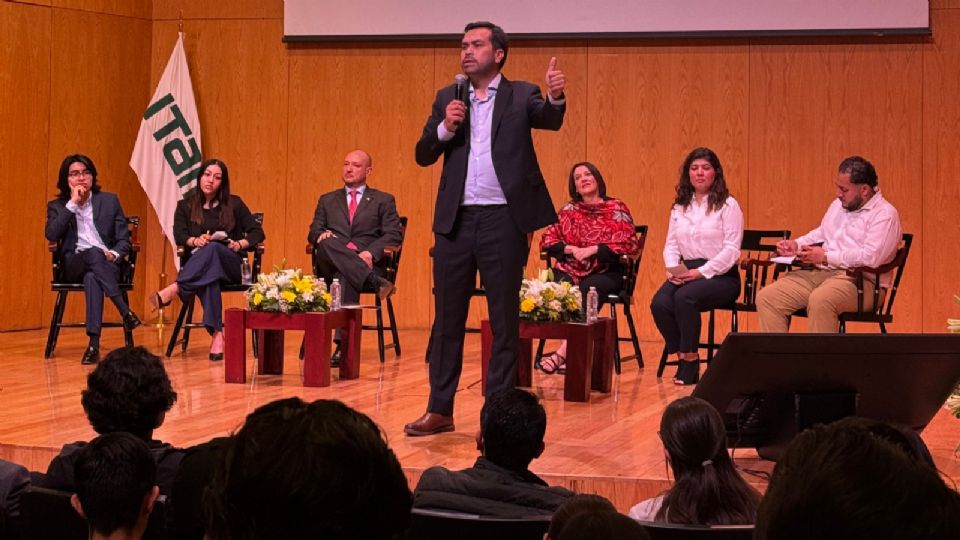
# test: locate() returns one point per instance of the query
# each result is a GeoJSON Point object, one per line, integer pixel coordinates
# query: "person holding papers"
{"type": "Point", "coordinates": [701, 254]}
{"type": "Point", "coordinates": [860, 228]}
{"type": "Point", "coordinates": [215, 227]}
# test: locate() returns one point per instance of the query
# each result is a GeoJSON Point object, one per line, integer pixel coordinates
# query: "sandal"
{"type": "Point", "coordinates": [557, 364]}
{"type": "Point", "coordinates": [688, 373]}
{"type": "Point", "coordinates": [157, 302]}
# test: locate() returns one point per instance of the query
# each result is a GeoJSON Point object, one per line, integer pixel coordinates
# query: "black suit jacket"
{"type": "Point", "coordinates": [244, 224]}
{"type": "Point", "coordinates": [108, 217]}
{"type": "Point", "coordinates": [375, 223]}
{"type": "Point", "coordinates": [518, 108]}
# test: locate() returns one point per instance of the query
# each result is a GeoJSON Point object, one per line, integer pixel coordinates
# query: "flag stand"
{"type": "Point", "coordinates": [160, 322]}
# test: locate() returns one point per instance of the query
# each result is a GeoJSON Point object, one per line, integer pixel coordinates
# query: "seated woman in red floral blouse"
{"type": "Point", "coordinates": [592, 233]}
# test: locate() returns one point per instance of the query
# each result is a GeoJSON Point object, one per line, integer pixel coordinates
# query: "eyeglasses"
{"type": "Point", "coordinates": [78, 174]}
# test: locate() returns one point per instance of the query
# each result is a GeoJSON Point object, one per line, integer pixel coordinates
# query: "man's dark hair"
{"type": "Point", "coordinates": [128, 391]}
{"type": "Point", "coordinates": [114, 474]}
{"type": "Point", "coordinates": [860, 170]}
{"type": "Point", "coordinates": [574, 506]}
{"type": "Point", "coordinates": [299, 470]}
{"type": "Point", "coordinates": [846, 481]}
{"type": "Point", "coordinates": [63, 185]}
{"type": "Point", "coordinates": [512, 423]}
{"type": "Point", "coordinates": [498, 38]}
{"type": "Point", "coordinates": [602, 524]}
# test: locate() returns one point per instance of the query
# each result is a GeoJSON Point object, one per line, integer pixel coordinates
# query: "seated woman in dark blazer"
{"type": "Point", "coordinates": [592, 233]}
{"type": "Point", "coordinates": [198, 219]}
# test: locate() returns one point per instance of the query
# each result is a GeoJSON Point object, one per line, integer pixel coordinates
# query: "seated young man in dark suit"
{"type": "Point", "coordinates": [93, 235]}
{"type": "Point", "coordinates": [115, 477]}
{"type": "Point", "coordinates": [512, 425]}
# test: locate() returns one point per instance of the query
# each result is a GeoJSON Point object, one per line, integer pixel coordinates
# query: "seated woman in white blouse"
{"type": "Point", "coordinates": [701, 254]}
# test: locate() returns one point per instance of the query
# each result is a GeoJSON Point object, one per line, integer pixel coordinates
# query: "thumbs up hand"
{"type": "Point", "coordinates": [555, 79]}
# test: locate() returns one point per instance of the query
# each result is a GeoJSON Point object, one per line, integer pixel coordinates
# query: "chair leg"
{"type": "Point", "coordinates": [734, 321]}
{"type": "Point", "coordinates": [255, 339]}
{"type": "Point", "coordinates": [883, 328]}
{"type": "Point", "coordinates": [127, 334]}
{"type": "Point", "coordinates": [628, 313]}
{"type": "Point", "coordinates": [55, 320]}
{"type": "Point", "coordinates": [63, 308]}
{"type": "Point", "coordinates": [393, 327]}
{"type": "Point", "coordinates": [187, 327]}
{"type": "Point", "coordinates": [843, 326]}
{"type": "Point", "coordinates": [176, 329]}
{"type": "Point", "coordinates": [380, 346]}
{"type": "Point", "coordinates": [539, 356]}
{"type": "Point", "coordinates": [711, 326]}
{"type": "Point", "coordinates": [663, 362]}
{"type": "Point", "coordinates": [616, 340]}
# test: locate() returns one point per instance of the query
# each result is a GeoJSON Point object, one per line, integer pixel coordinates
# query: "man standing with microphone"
{"type": "Point", "coordinates": [491, 197]}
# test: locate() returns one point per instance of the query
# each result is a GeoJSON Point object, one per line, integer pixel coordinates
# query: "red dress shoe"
{"type": "Point", "coordinates": [429, 424]}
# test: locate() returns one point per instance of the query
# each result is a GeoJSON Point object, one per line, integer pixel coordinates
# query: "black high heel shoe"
{"type": "Point", "coordinates": [157, 302]}
{"type": "Point", "coordinates": [688, 372]}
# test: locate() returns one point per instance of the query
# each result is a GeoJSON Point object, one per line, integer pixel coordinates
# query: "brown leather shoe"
{"type": "Point", "coordinates": [429, 424]}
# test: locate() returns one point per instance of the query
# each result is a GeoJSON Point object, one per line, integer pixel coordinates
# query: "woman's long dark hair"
{"type": "Point", "coordinates": [63, 183]}
{"type": "Point", "coordinates": [222, 196]}
{"type": "Point", "coordinates": [707, 489]}
{"type": "Point", "coordinates": [718, 191]}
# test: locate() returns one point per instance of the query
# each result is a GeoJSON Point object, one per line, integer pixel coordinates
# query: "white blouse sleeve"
{"type": "Point", "coordinates": [671, 249]}
{"type": "Point", "coordinates": [731, 218]}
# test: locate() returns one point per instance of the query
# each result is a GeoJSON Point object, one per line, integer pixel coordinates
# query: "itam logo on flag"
{"type": "Point", "coordinates": [167, 153]}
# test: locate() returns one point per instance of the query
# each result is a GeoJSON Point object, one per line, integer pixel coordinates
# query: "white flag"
{"type": "Point", "coordinates": [167, 154]}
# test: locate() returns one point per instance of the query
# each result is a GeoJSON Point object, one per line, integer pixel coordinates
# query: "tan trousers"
{"type": "Point", "coordinates": [824, 293]}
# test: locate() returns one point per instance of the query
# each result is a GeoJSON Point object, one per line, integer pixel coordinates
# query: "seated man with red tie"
{"type": "Point", "coordinates": [350, 228]}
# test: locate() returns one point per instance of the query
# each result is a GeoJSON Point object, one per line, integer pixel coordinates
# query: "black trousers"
{"type": "Point", "coordinates": [676, 308]}
{"type": "Point", "coordinates": [99, 277]}
{"type": "Point", "coordinates": [202, 274]}
{"type": "Point", "coordinates": [606, 283]}
{"type": "Point", "coordinates": [484, 238]}
{"type": "Point", "coordinates": [335, 260]}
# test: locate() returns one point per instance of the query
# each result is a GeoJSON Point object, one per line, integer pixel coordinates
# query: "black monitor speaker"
{"type": "Point", "coordinates": [769, 387]}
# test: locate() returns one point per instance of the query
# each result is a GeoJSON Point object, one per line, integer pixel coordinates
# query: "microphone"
{"type": "Point", "coordinates": [461, 80]}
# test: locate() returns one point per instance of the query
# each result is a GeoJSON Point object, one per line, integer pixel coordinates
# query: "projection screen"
{"type": "Point", "coordinates": [322, 20]}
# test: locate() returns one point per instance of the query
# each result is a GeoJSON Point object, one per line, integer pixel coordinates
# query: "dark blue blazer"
{"type": "Point", "coordinates": [108, 217]}
{"type": "Point", "coordinates": [518, 108]}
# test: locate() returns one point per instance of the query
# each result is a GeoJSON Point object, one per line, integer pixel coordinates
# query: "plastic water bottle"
{"type": "Point", "coordinates": [335, 293]}
{"type": "Point", "coordinates": [592, 303]}
{"type": "Point", "coordinates": [246, 277]}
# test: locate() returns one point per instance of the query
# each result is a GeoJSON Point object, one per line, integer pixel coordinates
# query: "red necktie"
{"type": "Point", "coordinates": [353, 210]}
{"type": "Point", "coordinates": [353, 204]}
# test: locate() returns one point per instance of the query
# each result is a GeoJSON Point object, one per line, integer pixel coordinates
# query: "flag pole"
{"type": "Point", "coordinates": [161, 321]}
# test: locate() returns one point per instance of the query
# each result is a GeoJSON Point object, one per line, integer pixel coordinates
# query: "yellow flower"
{"type": "Point", "coordinates": [257, 299]}
{"type": "Point", "coordinates": [327, 298]}
{"type": "Point", "coordinates": [527, 305]}
{"type": "Point", "coordinates": [303, 285]}
{"type": "Point", "coordinates": [289, 296]}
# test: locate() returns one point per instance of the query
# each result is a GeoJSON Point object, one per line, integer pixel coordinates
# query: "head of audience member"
{"type": "Point", "coordinates": [115, 477]}
{"type": "Point", "coordinates": [213, 189]}
{"type": "Point", "coordinates": [585, 181]}
{"type": "Point", "coordinates": [357, 166]}
{"type": "Point", "coordinates": [846, 481]}
{"type": "Point", "coordinates": [902, 437]}
{"type": "Point", "coordinates": [573, 506]}
{"type": "Point", "coordinates": [76, 170]}
{"type": "Point", "coordinates": [603, 524]}
{"type": "Point", "coordinates": [707, 490]}
{"type": "Point", "coordinates": [483, 50]}
{"type": "Point", "coordinates": [702, 174]}
{"type": "Point", "coordinates": [128, 391]}
{"type": "Point", "coordinates": [298, 470]}
{"type": "Point", "coordinates": [856, 182]}
{"type": "Point", "coordinates": [512, 426]}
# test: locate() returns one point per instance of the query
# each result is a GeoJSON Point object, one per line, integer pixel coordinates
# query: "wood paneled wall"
{"type": "Point", "coordinates": [781, 113]}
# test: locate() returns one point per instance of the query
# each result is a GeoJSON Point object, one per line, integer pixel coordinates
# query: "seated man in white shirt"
{"type": "Point", "coordinates": [859, 229]}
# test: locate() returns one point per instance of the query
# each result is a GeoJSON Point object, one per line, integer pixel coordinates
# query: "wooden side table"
{"type": "Point", "coordinates": [589, 354]}
{"type": "Point", "coordinates": [317, 329]}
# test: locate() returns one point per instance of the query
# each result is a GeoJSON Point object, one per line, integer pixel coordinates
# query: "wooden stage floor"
{"type": "Point", "coordinates": [608, 446]}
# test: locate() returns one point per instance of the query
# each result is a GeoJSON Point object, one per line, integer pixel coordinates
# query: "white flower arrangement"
{"type": "Point", "coordinates": [545, 300]}
{"type": "Point", "coordinates": [288, 290]}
